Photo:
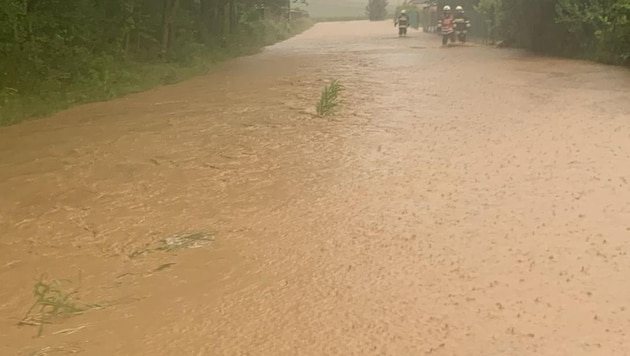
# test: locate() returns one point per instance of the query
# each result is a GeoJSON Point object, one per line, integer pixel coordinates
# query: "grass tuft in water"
{"type": "Point", "coordinates": [52, 301]}
{"type": "Point", "coordinates": [185, 240]}
{"type": "Point", "coordinates": [177, 242]}
{"type": "Point", "coordinates": [329, 99]}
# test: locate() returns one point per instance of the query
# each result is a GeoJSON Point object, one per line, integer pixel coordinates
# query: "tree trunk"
{"type": "Point", "coordinates": [221, 19]}
{"type": "Point", "coordinates": [173, 25]}
{"type": "Point", "coordinates": [130, 13]}
{"type": "Point", "coordinates": [204, 20]}
{"type": "Point", "coordinates": [169, 20]}
{"type": "Point", "coordinates": [233, 17]}
{"type": "Point", "coordinates": [165, 36]}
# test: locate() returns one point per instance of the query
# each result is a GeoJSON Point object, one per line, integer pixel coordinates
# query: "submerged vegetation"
{"type": "Point", "coordinates": [53, 301]}
{"type": "Point", "coordinates": [329, 99]}
{"type": "Point", "coordinates": [177, 242]}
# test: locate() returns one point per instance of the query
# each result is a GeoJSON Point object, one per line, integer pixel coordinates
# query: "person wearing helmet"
{"type": "Point", "coordinates": [445, 24]}
{"type": "Point", "coordinates": [461, 23]}
{"type": "Point", "coordinates": [403, 23]}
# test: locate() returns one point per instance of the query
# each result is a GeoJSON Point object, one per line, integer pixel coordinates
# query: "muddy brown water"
{"type": "Point", "coordinates": [466, 201]}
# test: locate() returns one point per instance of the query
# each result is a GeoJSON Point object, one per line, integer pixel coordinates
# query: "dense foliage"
{"type": "Point", "coordinates": [61, 51]}
{"type": "Point", "coordinates": [594, 29]}
{"type": "Point", "coordinates": [54, 53]}
{"type": "Point", "coordinates": [376, 10]}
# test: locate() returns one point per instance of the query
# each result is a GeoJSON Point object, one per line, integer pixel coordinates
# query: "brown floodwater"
{"type": "Point", "coordinates": [464, 201]}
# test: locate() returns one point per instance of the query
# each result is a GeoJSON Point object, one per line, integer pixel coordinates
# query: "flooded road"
{"type": "Point", "coordinates": [464, 201]}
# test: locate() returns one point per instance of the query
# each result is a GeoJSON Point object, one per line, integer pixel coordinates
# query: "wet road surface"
{"type": "Point", "coordinates": [465, 201]}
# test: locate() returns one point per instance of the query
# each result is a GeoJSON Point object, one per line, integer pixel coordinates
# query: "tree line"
{"type": "Point", "coordinates": [67, 40]}
{"type": "Point", "coordinates": [86, 48]}
{"type": "Point", "coordinates": [70, 40]}
{"type": "Point", "coordinates": [591, 29]}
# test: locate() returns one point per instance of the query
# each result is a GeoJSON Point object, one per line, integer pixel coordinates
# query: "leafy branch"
{"type": "Point", "coordinates": [329, 99]}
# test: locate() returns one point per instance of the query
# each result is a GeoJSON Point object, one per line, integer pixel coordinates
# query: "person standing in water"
{"type": "Point", "coordinates": [403, 23]}
{"type": "Point", "coordinates": [445, 24]}
{"type": "Point", "coordinates": [462, 24]}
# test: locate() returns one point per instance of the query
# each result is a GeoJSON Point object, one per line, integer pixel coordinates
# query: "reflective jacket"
{"type": "Point", "coordinates": [461, 21]}
{"type": "Point", "coordinates": [403, 21]}
{"type": "Point", "coordinates": [446, 23]}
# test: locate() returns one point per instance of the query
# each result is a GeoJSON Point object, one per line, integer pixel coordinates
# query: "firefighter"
{"type": "Point", "coordinates": [403, 22]}
{"type": "Point", "coordinates": [445, 24]}
{"type": "Point", "coordinates": [462, 24]}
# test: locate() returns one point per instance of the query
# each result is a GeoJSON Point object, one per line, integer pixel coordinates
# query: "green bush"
{"type": "Point", "coordinates": [600, 27]}
{"type": "Point", "coordinates": [591, 29]}
{"type": "Point", "coordinates": [55, 54]}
